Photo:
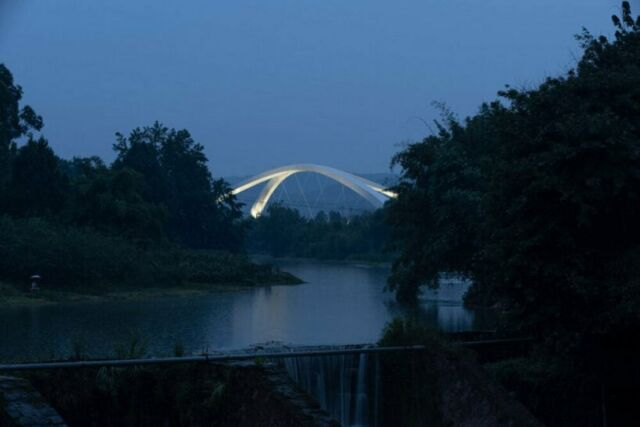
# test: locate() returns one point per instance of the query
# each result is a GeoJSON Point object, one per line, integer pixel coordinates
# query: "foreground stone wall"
{"type": "Point", "coordinates": [22, 406]}
{"type": "Point", "coordinates": [442, 386]}
{"type": "Point", "coordinates": [255, 396]}
{"type": "Point", "coordinates": [268, 397]}
{"type": "Point", "coordinates": [470, 398]}
{"type": "Point", "coordinates": [445, 386]}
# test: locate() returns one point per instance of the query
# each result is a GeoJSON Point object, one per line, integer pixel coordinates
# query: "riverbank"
{"type": "Point", "coordinates": [12, 295]}
{"type": "Point", "coordinates": [336, 304]}
{"type": "Point", "coordinates": [85, 261]}
{"type": "Point", "coordinates": [269, 259]}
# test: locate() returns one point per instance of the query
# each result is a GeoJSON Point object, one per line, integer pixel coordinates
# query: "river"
{"type": "Point", "coordinates": [337, 304]}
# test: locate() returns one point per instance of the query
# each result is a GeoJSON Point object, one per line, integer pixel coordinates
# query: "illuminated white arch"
{"type": "Point", "coordinates": [374, 193]}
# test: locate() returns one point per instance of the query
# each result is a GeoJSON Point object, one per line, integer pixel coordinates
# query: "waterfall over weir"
{"type": "Point", "coordinates": [346, 386]}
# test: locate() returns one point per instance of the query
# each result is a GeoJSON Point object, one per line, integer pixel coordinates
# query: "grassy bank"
{"type": "Point", "coordinates": [19, 296]}
{"type": "Point", "coordinates": [178, 395]}
{"type": "Point", "coordinates": [268, 259]}
{"type": "Point", "coordinates": [81, 263]}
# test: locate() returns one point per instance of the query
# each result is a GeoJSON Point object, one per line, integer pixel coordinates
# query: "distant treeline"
{"type": "Point", "coordinates": [154, 216]}
{"type": "Point", "coordinates": [284, 232]}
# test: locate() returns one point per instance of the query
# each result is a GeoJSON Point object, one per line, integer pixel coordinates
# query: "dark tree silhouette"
{"type": "Point", "coordinates": [536, 198]}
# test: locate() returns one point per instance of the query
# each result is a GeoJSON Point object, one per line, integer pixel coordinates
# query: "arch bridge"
{"type": "Point", "coordinates": [371, 191]}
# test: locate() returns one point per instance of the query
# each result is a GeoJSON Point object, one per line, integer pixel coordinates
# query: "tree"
{"type": "Point", "coordinates": [112, 201]}
{"type": "Point", "coordinates": [437, 219]}
{"type": "Point", "coordinates": [37, 187]}
{"type": "Point", "coordinates": [536, 199]}
{"type": "Point", "coordinates": [14, 123]}
{"type": "Point", "coordinates": [201, 211]}
{"type": "Point", "coordinates": [564, 197]}
{"type": "Point", "coordinates": [282, 231]}
{"type": "Point", "coordinates": [141, 152]}
{"type": "Point", "coordinates": [278, 230]}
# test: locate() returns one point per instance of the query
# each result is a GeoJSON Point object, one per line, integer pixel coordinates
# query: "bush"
{"type": "Point", "coordinates": [177, 395]}
{"type": "Point", "coordinates": [81, 258]}
{"type": "Point", "coordinates": [208, 267]}
{"type": "Point", "coordinates": [68, 257]}
{"type": "Point", "coordinates": [409, 395]}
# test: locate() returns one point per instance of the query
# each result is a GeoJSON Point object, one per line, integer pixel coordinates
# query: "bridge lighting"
{"type": "Point", "coordinates": [371, 191]}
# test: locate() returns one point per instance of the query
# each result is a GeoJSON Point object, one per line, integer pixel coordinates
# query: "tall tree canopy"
{"type": "Point", "coordinates": [15, 122]}
{"type": "Point", "coordinates": [112, 201]}
{"type": "Point", "coordinates": [158, 189]}
{"type": "Point", "coordinates": [536, 198]}
{"type": "Point", "coordinates": [37, 186]}
{"type": "Point", "coordinates": [201, 211]}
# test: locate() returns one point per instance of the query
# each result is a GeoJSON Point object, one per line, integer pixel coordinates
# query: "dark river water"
{"type": "Point", "coordinates": [338, 304]}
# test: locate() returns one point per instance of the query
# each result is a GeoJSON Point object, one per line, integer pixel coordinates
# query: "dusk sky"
{"type": "Point", "coordinates": [266, 83]}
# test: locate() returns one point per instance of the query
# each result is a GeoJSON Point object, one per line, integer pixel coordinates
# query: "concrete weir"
{"type": "Point", "coordinates": [270, 393]}
{"type": "Point", "coordinates": [269, 398]}
{"type": "Point", "coordinates": [274, 385]}
{"type": "Point", "coordinates": [22, 406]}
{"type": "Point", "coordinates": [275, 400]}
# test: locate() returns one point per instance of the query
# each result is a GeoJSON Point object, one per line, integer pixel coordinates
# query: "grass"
{"type": "Point", "coordinates": [80, 261]}
{"type": "Point", "coordinates": [12, 295]}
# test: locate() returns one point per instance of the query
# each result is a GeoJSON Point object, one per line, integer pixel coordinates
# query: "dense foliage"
{"type": "Point", "coordinates": [283, 231]}
{"type": "Point", "coordinates": [83, 259]}
{"type": "Point", "coordinates": [14, 123]}
{"type": "Point", "coordinates": [536, 198]}
{"type": "Point", "coordinates": [201, 212]}
{"type": "Point", "coordinates": [155, 216]}
{"type": "Point", "coordinates": [158, 189]}
{"type": "Point", "coordinates": [178, 395]}
{"type": "Point", "coordinates": [441, 385]}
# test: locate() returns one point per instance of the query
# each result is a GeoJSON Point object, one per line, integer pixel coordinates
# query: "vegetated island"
{"type": "Point", "coordinates": [85, 265]}
{"type": "Point", "coordinates": [154, 221]}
